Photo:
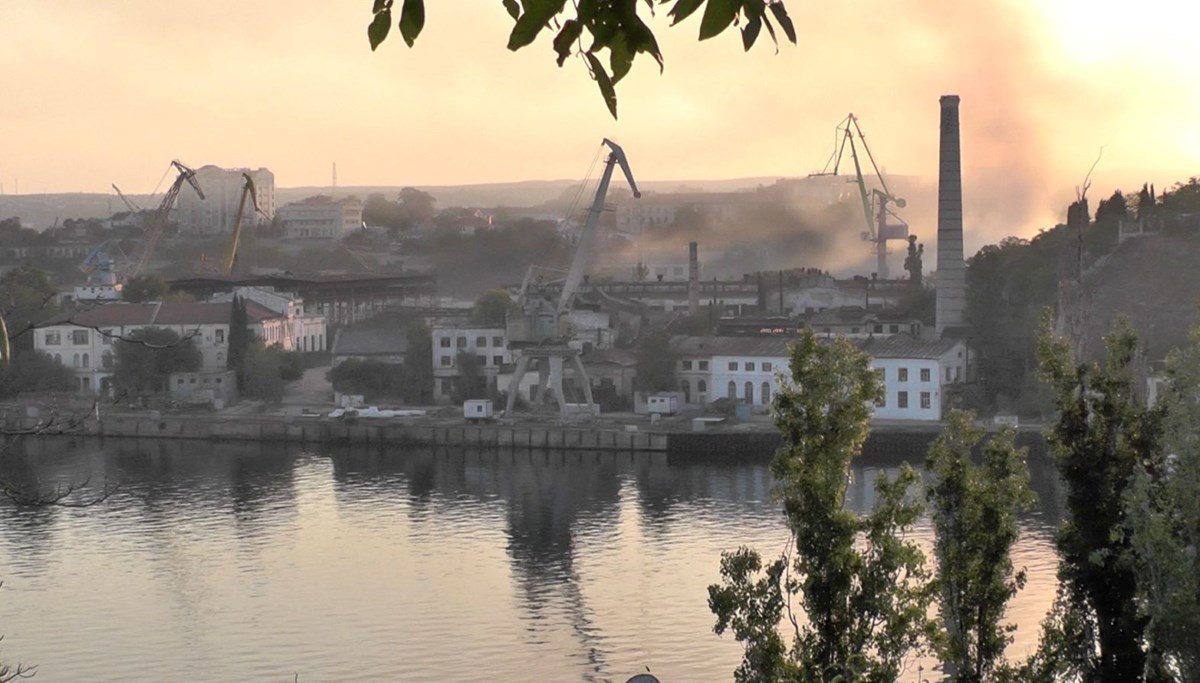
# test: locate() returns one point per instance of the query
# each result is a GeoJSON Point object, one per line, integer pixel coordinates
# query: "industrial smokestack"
{"type": "Point", "coordinates": [693, 278]}
{"type": "Point", "coordinates": [951, 278]}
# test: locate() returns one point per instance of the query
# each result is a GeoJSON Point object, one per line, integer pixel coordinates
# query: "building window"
{"type": "Point", "coordinates": [481, 342]}
{"type": "Point", "coordinates": [853, 330]}
{"type": "Point", "coordinates": [75, 361]}
{"type": "Point", "coordinates": [703, 365]}
{"type": "Point", "coordinates": [731, 392]}
{"type": "Point", "coordinates": [220, 356]}
{"type": "Point", "coordinates": [766, 393]}
{"type": "Point", "coordinates": [447, 361]}
{"type": "Point", "coordinates": [902, 374]}
{"type": "Point", "coordinates": [445, 342]}
{"type": "Point", "coordinates": [179, 382]}
{"type": "Point", "coordinates": [220, 334]}
{"type": "Point", "coordinates": [497, 341]}
{"type": "Point", "coordinates": [749, 367]}
{"type": "Point", "coordinates": [482, 360]}
{"type": "Point", "coordinates": [878, 329]}
{"type": "Point", "coordinates": [461, 342]}
{"type": "Point", "coordinates": [766, 366]}
{"type": "Point", "coordinates": [79, 337]}
{"type": "Point", "coordinates": [925, 400]}
{"type": "Point", "coordinates": [701, 387]}
{"type": "Point", "coordinates": [497, 360]}
{"type": "Point", "coordinates": [53, 339]}
{"type": "Point", "coordinates": [893, 329]}
{"type": "Point", "coordinates": [687, 391]}
{"type": "Point", "coordinates": [686, 364]}
{"type": "Point", "coordinates": [106, 361]}
{"type": "Point", "coordinates": [748, 392]}
{"type": "Point", "coordinates": [902, 399]}
{"type": "Point", "coordinates": [58, 358]}
{"type": "Point", "coordinates": [86, 361]}
{"type": "Point", "coordinates": [924, 374]}
{"type": "Point", "coordinates": [733, 365]}
{"type": "Point", "coordinates": [947, 374]}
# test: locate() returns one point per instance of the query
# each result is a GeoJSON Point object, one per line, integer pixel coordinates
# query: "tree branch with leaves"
{"type": "Point", "coordinates": [601, 31]}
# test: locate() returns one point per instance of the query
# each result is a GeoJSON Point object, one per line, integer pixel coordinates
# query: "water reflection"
{"type": "Point", "coordinates": [403, 564]}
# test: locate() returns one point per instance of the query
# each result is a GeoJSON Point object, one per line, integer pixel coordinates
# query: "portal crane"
{"type": "Point", "coordinates": [158, 221]}
{"type": "Point", "coordinates": [249, 192]}
{"type": "Point", "coordinates": [874, 201]}
{"type": "Point", "coordinates": [540, 332]}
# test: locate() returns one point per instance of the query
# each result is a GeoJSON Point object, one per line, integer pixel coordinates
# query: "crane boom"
{"type": "Point", "coordinates": [588, 234]}
{"type": "Point", "coordinates": [133, 207]}
{"type": "Point", "coordinates": [875, 200]}
{"type": "Point", "coordinates": [158, 222]}
{"type": "Point", "coordinates": [248, 191]}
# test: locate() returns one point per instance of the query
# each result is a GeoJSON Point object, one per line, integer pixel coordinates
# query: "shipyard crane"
{"type": "Point", "coordinates": [875, 200]}
{"type": "Point", "coordinates": [248, 192]}
{"type": "Point", "coordinates": [158, 221]}
{"type": "Point", "coordinates": [539, 332]}
{"type": "Point", "coordinates": [129, 203]}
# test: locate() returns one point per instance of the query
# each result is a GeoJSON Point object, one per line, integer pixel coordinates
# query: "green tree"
{"type": "Point", "coordinates": [143, 288]}
{"type": "Point", "coordinates": [491, 308]}
{"type": "Point", "coordinates": [974, 511]}
{"type": "Point", "coordinates": [612, 26]}
{"type": "Point", "coordinates": [26, 299]}
{"type": "Point", "coordinates": [862, 587]}
{"type": "Point", "coordinates": [262, 373]}
{"type": "Point", "coordinates": [239, 336]}
{"type": "Point", "coordinates": [374, 379]}
{"type": "Point", "coordinates": [34, 371]}
{"type": "Point", "coordinates": [656, 363]}
{"type": "Point", "coordinates": [1164, 513]}
{"type": "Point", "coordinates": [418, 365]}
{"type": "Point", "coordinates": [145, 358]}
{"type": "Point", "coordinates": [1097, 441]}
{"type": "Point", "coordinates": [471, 383]}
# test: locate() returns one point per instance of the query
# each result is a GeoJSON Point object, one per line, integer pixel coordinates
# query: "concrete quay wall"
{"type": "Point", "coordinates": [317, 431]}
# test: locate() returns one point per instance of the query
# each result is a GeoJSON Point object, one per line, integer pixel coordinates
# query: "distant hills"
{"type": "Point", "coordinates": [40, 211]}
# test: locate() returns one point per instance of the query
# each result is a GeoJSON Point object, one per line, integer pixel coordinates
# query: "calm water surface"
{"type": "Point", "coordinates": [222, 562]}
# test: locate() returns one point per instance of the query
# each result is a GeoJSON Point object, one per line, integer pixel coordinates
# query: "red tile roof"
{"type": "Point", "coordinates": [184, 313]}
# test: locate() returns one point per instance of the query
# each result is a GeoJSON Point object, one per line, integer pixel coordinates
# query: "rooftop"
{"type": "Point", "coordinates": [120, 314]}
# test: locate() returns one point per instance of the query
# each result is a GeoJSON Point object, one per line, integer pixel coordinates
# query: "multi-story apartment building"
{"type": "Point", "coordinates": [489, 346]}
{"type": "Point", "coordinates": [85, 340]}
{"type": "Point", "coordinates": [222, 188]}
{"type": "Point", "coordinates": [322, 217]}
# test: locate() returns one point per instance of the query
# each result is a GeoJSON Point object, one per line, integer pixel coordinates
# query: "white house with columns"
{"type": "Point", "coordinates": [915, 373]}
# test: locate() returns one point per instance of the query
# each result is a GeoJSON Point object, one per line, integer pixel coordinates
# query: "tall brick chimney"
{"type": "Point", "coordinates": [951, 275]}
{"type": "Point", "coordinates": [693, 278]}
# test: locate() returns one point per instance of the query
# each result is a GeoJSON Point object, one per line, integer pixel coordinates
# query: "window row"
{"type": "Point", "coordinates": [902, 400]}
{"type": "Point", "coordinates": [481, 342]}
{"type": "Point", "coordinates": [701, 365]}
{"type": "Point", "coordinates": [902, 374]}
{"type": "Point", "coordinates": [77, 337]}
{"type": "Point", "coordinates": [448, 361]}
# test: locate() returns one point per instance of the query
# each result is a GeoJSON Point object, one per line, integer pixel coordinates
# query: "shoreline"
{"type": "Point", "coordinates": [726, 443]}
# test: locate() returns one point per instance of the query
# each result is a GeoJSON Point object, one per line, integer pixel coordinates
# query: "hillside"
{"type": "Point", "coordinates": [1154, 281]}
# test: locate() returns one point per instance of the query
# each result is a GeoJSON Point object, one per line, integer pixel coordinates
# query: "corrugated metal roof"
{"type": "Point", "coordinates": [904, 346]}
{"type": "Point", "coordinates": [367, 342]}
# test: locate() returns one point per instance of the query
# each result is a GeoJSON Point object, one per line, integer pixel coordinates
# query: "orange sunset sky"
{"type": "Point", "coordinates": [103, 92]}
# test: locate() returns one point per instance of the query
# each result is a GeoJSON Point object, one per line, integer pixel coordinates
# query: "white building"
{"type": "Point", "coordinates": [322, 217]}
{"type": "Point", "coordinates": [85, 340]}
{"type": "Point", "coordinates": [915, 373]}
{"type": "Point", "coordinates": [222, 196]}
{"type": "Point", "coordinates": [295, 328]}
{"type": "Point", "coordinates": [489, 346]}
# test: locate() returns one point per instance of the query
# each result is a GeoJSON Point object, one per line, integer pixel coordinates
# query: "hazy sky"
{"type": "Point", "coordinates": [103, 92]}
